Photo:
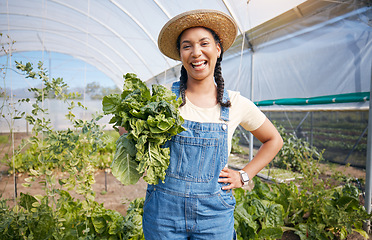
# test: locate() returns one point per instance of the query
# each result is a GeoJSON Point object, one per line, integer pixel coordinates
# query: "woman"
{"type": "Point", "coordinates": [195, 201]}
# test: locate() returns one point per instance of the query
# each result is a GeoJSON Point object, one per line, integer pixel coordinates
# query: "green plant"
{"type": "Point", "coordinates": [151, 119]}
{"type": "Point", "coordinates": [317, 213]}
{"type": "Point", "coordinates": [235, 147]}
{"type": "Point", "coordinates": [9, 112]}
{"type": "Point", "coordinates": [48, 153]}
{"type": "Point", "coordinates": [256, 217]}
{"type": "Point", "coordinates": [105, 154]}
{"type": "Point", "coordinates": [313, 208]}
{"type": "Point", "coordinates": [34, 218]}
{"type": "Point", "coordinates": [294, 152]}
{"type": "Point", "coordinates": [133, 220]}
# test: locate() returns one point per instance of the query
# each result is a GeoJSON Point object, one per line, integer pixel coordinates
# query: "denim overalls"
{"type": "Point", "coordinates": [190, 204]}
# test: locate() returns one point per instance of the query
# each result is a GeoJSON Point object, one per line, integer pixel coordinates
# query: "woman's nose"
{"type": "Point", "coordinates": [196, 51]}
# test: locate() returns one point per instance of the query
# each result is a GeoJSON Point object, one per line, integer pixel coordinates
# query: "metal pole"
{"type": "Point", "coordinates": [367, 201]}
{"type": "Point", "coordinates": [106, 180]}
{"type": "Point", "coordinates": [250, 134]}
{"type": "Point", "coordinates": [311, 129]}
{"type": "Point", "coordinates": [356, 144]}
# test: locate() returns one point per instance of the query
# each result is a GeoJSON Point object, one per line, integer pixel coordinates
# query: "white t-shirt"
{"type": "Point", "coordinates": [242, 111]}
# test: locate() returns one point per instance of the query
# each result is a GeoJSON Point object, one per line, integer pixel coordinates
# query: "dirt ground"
{"type": "Point", "coordinates": [109, 190]}
{"type": "Point", "coordinates": [116, 196]}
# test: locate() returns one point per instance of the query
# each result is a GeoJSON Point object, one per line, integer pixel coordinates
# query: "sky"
{"type": "Point", "coordinates": [74, 72]}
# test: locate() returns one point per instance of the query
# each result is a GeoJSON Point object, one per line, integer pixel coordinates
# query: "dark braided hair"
{"type": "Point", "coordinates": [217, 75]}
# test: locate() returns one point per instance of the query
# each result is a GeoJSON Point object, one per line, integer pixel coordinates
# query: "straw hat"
{"type": "Point", "coordinates": [222, 24]}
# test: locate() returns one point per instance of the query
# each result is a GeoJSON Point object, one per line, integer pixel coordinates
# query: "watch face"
{"type": "Point", "coordinates": [245, 177]}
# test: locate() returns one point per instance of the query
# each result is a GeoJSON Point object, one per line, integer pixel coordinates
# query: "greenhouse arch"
{"type": "Point", "coordinates": [302, 55]}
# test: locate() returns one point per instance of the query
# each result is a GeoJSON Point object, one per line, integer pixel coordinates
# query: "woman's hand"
{"type": "Point", "coordinates": [231, 177]}
{"type": "Point", "coordinates": [122, 130]}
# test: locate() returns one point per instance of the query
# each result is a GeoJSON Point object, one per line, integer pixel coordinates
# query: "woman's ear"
{"type": "Point", "coordinates": [218, 50]}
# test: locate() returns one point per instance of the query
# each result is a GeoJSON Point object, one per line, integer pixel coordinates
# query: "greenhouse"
{"type": "Point", "coordinates": [306, 64]}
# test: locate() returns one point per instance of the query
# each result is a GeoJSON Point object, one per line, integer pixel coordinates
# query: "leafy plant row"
{"type": "Point", "coordinates": [339, 145]}
{"type": "Point", "coordinates": [312, 212]}
{"type": "Point", "coordinates": [310, 207]}
{"type": "Point", "coordinates": [347, 121]}
{"type": "Point", "coordinates": [34, 218]}
{"type": "Point", "coordinates": [339, 136]}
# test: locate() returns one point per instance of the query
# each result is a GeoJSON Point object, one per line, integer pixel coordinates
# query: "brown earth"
{"type": "Point", "coordinates": [116, 196]}
{"type": "Point", "coordinates": [113, 194]}
{"type": "Point", "coordinates": [109, 190]}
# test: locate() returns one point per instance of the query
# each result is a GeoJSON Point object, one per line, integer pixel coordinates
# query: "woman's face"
{"type": "Point", "coordinates": [199, 52]}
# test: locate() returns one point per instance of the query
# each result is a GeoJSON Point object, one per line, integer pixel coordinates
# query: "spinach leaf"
{"type": "Point", "coordinates": [151, 118]}
{"type": "Point", "coordinates": [124, 166]}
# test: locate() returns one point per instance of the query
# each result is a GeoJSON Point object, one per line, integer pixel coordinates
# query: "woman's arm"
{"type": "Point", "coordinates": [272, 142]}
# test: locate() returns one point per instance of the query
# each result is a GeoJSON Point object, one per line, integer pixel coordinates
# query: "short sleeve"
{"type": "Point", "coordinates": [243, 110]}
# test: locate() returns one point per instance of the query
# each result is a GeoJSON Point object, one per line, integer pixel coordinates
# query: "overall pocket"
{"type": "Point", "coordinates": [192, 159]}
{"type": "Point", "coordinates": [150, 192]}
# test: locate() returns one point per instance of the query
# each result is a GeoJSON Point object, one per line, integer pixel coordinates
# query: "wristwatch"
{"type": "Point", "coordinates": [244, 177]}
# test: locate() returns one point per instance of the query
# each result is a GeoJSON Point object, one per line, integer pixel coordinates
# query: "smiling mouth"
{"type": "Point", "coordinates": [199, 65]}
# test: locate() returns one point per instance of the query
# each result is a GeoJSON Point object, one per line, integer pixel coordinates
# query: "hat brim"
{"type": "Point", "coordinates": [222, 24]}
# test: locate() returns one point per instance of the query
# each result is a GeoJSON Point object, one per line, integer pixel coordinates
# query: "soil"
{"type": "Point", "coordinates": [114, 195]}
{"type": "Point", "coordinates": [109, 190]}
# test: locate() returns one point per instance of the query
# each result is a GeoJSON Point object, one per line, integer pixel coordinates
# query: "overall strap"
{"type": "Point", "coordinates": [224, 110]}
{"type": "Point", "coordinates": [176, 88]}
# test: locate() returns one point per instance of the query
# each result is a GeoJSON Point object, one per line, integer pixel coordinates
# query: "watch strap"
{"type": "Point", "coordinates": [244, 177]}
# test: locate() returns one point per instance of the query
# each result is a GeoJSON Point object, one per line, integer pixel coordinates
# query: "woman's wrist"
{"type": "Point", "coordinates": [244, 178]}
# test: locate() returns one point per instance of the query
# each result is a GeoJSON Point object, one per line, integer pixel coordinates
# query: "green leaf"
{"type": "Point", "coordinates": [34, 172]}
{"type": "Point", "coordinates": [39, 197]}
{"type": "Point", "coordinates": [124, 165]}
{"type": "Point", "coordinates": [27, 201]}
{"type": "Point", "coordinates": [132, 83]}
{"type": "Point", "coordinates": [29, 179]}
{"type": "Point", "coordinates": [361, 232]}
{"type": "Point", "coordinates": [259, 206]}
{"type": "Point", "coordinates": [274, 215]}
{"type": "Point", "coordinates": [159, 123]}
{"type": "Point", "coordinates": [270, 233]}
{"type": "Point", "coordinates": [241, 214]}
{"type": "Point", "coordinates": [347, 202]}
{"type": "Point", "coordinates": [137, 128]}
{"type": "Point", "coordinates": [160, 92]}
{"type": "Point", "coordinates": [99, 224]}
{"type": "Point", "coordinates": [110, 103]}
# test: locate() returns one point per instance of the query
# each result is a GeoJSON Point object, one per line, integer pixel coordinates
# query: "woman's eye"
{"type": "Point", "coordinates": [186, 47]}
{"type": "Point", "coordinates": [205, 44]}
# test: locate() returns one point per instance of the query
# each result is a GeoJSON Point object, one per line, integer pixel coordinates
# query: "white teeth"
{"type": "Point", "coordinates": [197, 63]}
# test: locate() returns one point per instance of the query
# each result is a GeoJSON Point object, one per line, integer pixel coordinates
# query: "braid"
{"type": "Point", "coordinates": [183, 85]}
{"type": "Point", "coordinates": [220, 84]}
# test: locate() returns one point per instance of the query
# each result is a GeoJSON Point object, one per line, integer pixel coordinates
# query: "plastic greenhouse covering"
{"type": "Point", "coordinates": [291, 49]}
{"type": "Point", "coordinates": [289, 55]}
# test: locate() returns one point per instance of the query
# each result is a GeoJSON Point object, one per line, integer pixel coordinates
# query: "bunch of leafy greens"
{"type": "Point", "coordinates": [151, 119]}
